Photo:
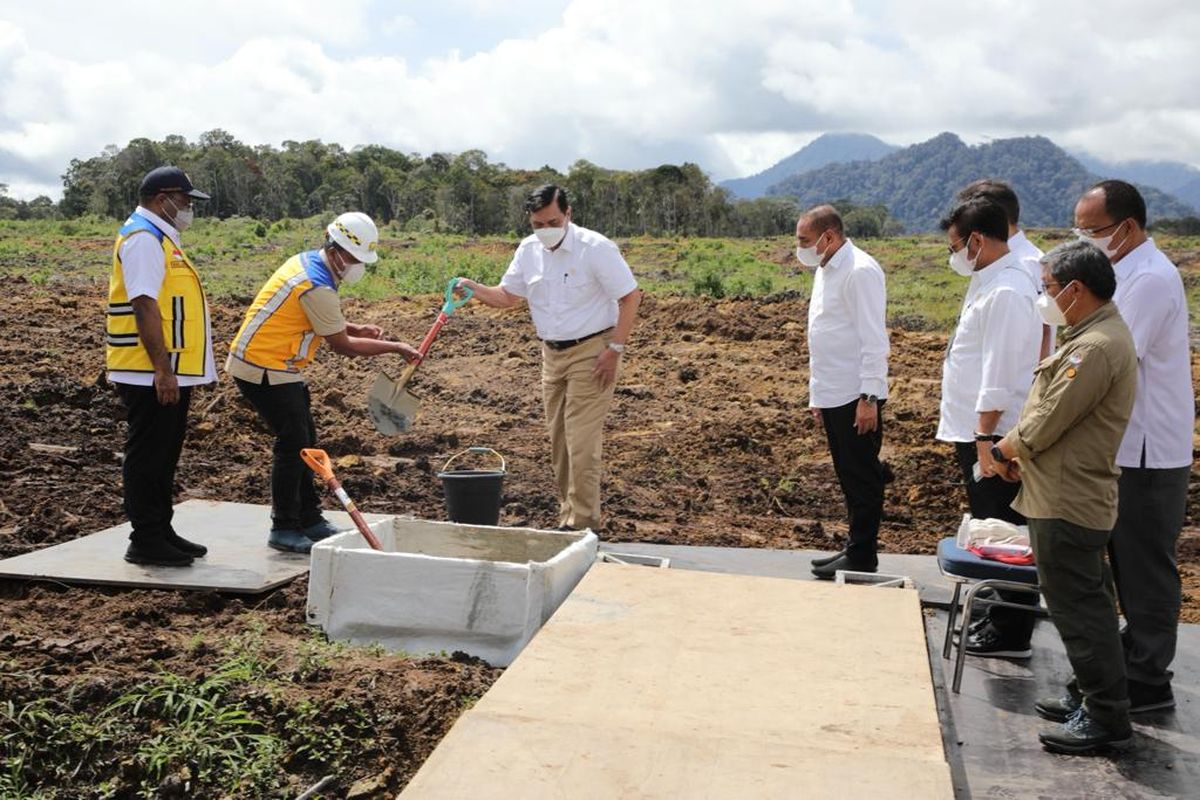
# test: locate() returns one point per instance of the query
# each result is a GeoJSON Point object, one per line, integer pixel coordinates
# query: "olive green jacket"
{"type": "Point", "coordinates": [1073, 421]}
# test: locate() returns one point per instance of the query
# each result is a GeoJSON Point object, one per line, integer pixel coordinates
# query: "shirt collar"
{"type": "Point", "coordinates": [159, 223]}
{"type": "Point", "coordinates": [1125, 267]}
{"type": "Point", "coordinates": [1017, 239]}
{"type": "Point", "coordinates": [568, 242]}
{"type": "Point", "coordinates": [1106, 311]}
{"type": "Point", "coordinates": [843, 254]}
{"type": "Point", "coordinates": [989, 273]}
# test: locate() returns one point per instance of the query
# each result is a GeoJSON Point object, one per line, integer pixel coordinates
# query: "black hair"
{"type": "Point", "coordinates": [824, 218]}
{"type": "Point", "coordinates": [1083, 262]}
{"type": "Point", "coordinates": [998, 192]}
{"type": "Point", "coordinates": [544, 195]}
{"type": "Point", "coordinates": [1122, 201]}
{"type": "Point", "coordinates": [978, 215]}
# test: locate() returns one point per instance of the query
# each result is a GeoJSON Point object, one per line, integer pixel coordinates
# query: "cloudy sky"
{"type": "Point", "coordinates": [733, 86]}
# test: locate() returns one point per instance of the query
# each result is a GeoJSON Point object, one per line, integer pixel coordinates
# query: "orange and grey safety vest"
{"type": "Point", "coordinates": [276, 334]}
{"type": "Point", "coordinates": [180, 302]}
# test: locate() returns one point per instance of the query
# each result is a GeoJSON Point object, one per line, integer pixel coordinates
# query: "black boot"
{"type": "Point", "coordinates": [1082, 735]}
{"type": "Point", "coordinates": [156, 553]}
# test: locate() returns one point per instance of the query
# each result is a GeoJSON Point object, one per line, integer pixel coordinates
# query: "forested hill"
{"type": "Point", "coordinates": [829, 148]}
{"type": "Point", "coordinates": [917, 184]}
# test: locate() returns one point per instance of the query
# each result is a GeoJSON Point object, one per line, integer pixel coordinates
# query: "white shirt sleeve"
{"type": "Point", "coordinates": [142, 266]}
{"type": "Point", "coordinates": [866, 298]}
{"type": "Point", "coordinates": [611, 270]}
{"type": "Point", "coordinates": [513, 280]}
{"type": "Point", "coordinates": [1143, 307]}
{"type": "Point", "coordinates": [1006, 378]}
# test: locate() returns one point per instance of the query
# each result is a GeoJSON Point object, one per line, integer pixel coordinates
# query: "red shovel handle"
{"type": "Point", "coordinates": [318, 461]}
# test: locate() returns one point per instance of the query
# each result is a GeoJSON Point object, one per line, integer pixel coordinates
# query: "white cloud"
{"type": "Point", "coordinates": [623, 83]}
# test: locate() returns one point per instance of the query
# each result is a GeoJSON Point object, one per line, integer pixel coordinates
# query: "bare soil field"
{"type": "Point", "coordinates": [709, 443]}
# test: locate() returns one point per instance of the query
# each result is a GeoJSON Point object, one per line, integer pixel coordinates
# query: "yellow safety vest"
{"type": "Point", "coordinates": [180, 301]}
{"type": "Point", "coordinates": [276, 333]}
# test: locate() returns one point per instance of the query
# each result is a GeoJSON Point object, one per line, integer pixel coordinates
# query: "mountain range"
{"type": "Point", "coordinates": [918, 183]}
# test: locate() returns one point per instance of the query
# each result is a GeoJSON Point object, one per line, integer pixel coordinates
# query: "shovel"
{"type": "Point", "coordinates": [318, 462]}
{"type": "Point", "coordinates": [392, 406]}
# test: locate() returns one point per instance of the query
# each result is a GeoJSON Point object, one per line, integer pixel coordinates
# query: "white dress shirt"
{"type": "Point", "coordinates": [847, 333]}
{"type": "Point", "coordinates": [1029, 254]}
{"type": "Point", "coordinates": [990, 361]}
{"type": "Point", "coordinates": [143, 270]}
{"type": "Point", "coordinates": [573, 290]}
{"type": "Point", "coordinates": [1151, 300]}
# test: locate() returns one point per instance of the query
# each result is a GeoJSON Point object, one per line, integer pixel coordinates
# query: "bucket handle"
{"type": "Point", "coordinates": [476, 451]}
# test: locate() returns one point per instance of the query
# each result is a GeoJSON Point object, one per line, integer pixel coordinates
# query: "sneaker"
{"type": "Point", "coordinates": [1058, 709]}
{"type": "Point", "coordinates": [184, 545]}
{"type": "Point", "coordinates": [321, 530]}
{"type": "Point", "coordinates": [156, 553]}
{"type": "Point", "coordinates": [1083, 735]}
{"type": "Point", "coordinates": [1145, 697]}
{"type": "Point", "coordinates": [987, 643]}
{"type": "Point", "coordinates": [289, 541]}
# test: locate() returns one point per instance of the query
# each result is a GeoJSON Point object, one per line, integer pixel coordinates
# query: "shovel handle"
{"type": "Point", "coordinates": [318, 462]}
{"type": "Point", "coordinates": [452, 304]}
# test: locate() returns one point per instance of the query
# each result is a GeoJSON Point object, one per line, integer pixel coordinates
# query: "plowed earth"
{"type": "Point", "coordinates": [709, 443]}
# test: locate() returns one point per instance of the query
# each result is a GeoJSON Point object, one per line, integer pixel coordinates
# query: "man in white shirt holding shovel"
{"type": "Point", "coordinates": [583, 300]}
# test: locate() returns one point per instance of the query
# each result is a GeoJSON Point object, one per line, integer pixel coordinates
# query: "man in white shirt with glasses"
{"type": "Point", "coordinates": [1156, 453]}
{"type": "Point", "coordinates": [847, 387]}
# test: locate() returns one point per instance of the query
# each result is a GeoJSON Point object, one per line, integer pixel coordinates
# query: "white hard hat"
{"type": "Point", "coordinates": [355, 233]}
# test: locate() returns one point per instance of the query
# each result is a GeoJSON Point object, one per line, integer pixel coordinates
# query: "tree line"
{"type": "Point", "coordinates": [453, 193]}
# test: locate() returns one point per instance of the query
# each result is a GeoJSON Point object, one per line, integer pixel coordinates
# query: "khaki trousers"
{"type": "Point", "coordinates": [576, 406]}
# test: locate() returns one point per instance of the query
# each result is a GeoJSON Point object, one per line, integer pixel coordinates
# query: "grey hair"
{"type": "Point", "coordinates": [1083, 262]}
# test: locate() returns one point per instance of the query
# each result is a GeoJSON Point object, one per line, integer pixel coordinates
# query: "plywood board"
{"type": "Point", "coordinates": [651, 683]}
{"type": "Point", "coordinates": [238, 559]}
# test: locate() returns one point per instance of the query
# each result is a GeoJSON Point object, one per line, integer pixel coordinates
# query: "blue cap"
{"type": "Point", "coordinates": [169, 179]}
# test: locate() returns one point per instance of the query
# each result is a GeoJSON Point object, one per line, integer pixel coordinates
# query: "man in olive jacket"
{"type": "Point", "coordinates": [1064, 451]}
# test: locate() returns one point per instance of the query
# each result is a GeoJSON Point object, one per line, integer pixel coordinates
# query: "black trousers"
{"type": "Point", "coordinates": [287, 410]}
{"type": "Point", "coordinates": [153, 442]}
{"type": "Point", "coordinates": [861, 476]}
{"type": "Point", "coordinates": [991, 498]}
{"type": "Point", "coordinates": [1151, 506]}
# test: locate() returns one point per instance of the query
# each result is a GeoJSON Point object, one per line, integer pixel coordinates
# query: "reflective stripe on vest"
{"type": "Point", "coordinates": [276, 333]}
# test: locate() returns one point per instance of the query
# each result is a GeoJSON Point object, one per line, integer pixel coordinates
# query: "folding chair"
{"type": "Point", "coordinates": [965, 568]}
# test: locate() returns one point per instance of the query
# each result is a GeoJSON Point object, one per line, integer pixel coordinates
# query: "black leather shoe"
{"type": "Point", "coordinates": [823, 560]}
{"type": "Point", "coordinates": [1057, 709]}
{"type": "Point", "coordinates": [988, 643]}
{"type": "Point", "coordinates": [185, 546]}
{"type": "Point", "coordinates": [156, 553]}
{"type": "Point", "coordinates": [843, 562]}
{"type": "Point", "coordinates": [1145, 697]}
{"type": "Point", "coordinates": [1083, 735]}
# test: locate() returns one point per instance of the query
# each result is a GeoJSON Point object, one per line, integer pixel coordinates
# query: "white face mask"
{"type": "Point", "coordinates": [354, 272]}
{"type": "Point", "coordinates": [808, 256]}
{"type": "Point", "coordinates": [1047, 306]}
{"type": "Point", "coordinates": [550, 237]}
{"type": "Point", "coordinates": [1103, 243]}
{"type": "Point", "coordinates": [183, 216]}
{"type": "Point", "coordinates": [960, 263]}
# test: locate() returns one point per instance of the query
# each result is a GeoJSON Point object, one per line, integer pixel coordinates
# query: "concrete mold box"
{"type": "Point", "coordinates": [444, 586]}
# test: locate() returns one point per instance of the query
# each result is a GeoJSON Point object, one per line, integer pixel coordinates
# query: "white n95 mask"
{"type": "Point", "coordinates": [549, 237]}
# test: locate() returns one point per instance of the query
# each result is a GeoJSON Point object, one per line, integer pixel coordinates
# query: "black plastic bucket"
{"type": "Point", "coordinates": [473, 495]}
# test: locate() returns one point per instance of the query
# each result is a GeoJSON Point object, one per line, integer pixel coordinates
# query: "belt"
{"type": "Point", "coordinates": [569, 343]}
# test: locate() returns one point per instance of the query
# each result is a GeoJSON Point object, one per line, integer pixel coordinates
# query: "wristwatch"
{"type": "Point", "coordinates": [998, 454]}
{"type": "Point", "coordinates": [869, 399]}
{"type": "Point", "coordinates": [616, 348]}
{"type": "Point", "coordinates": [987, 437]}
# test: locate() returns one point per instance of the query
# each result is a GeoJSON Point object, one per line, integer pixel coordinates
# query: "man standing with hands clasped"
{"type": "Point", "coordinates": [848, 350]}
{"type": "Point", "coordinates": [584, 300]}
{"type": "Point", "coordinates": [158, 348]}
{"type": "Point", "coordinates": [1064, 451]}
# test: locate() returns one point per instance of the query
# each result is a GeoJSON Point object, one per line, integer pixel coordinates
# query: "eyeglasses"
{"type": "Point", "coordinates": [1091, 233]}
{"type": "Point", "coordinates": [1047, 284]}
{"type": "Point", "coordinates": [952, 249]}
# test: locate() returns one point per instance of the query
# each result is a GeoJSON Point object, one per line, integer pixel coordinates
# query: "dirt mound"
{"type": "Point", "coordinates": [709, 442]}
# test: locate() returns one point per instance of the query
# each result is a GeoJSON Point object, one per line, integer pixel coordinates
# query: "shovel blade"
{"type": "Point", "coordinates": [393, 408]}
